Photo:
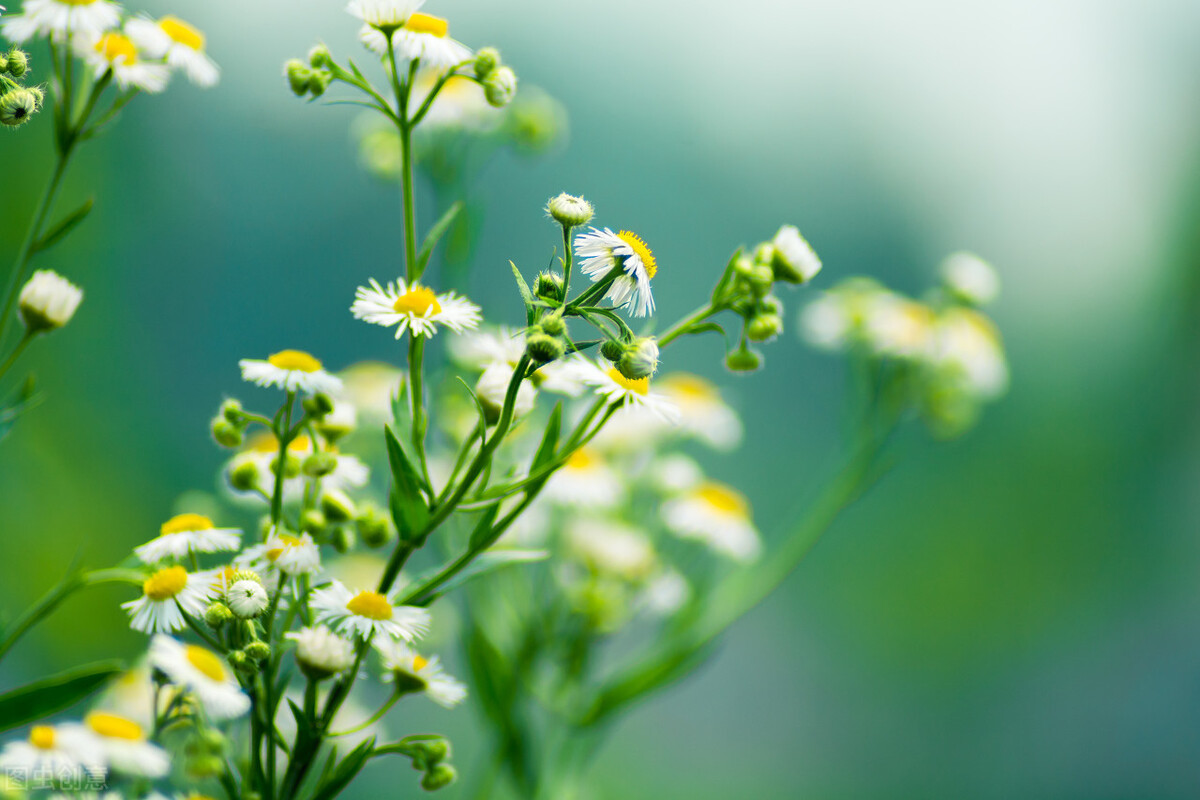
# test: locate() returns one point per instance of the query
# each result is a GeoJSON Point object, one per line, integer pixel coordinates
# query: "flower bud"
{"type": "Point", "coordinates": [373, 526]}
{"type": "Point", "coordinates": [613, 350]}
{"type": "Point", "coordinates": [291, 466]}
{"type": "Point", "coordinates": [318, 405]}
{"type": "Point", "coordinates": [770, 305]}
{"type": "Point", "coordinates": [795, 261]}
{"type": "Point", "coordinates": [492, 391]}
{"type": "Point", "coordinates": [970, 279]}
{"type": "Point", "coordinates": [500, 87]}
{"type": "Point", "coordinates": [47, 301]}
{"type": "Point", "coordinates": [764, 327]}
{"type": "Point", "coordinates": [553, 325]}
{"type": "Point", "coordinates": [245, 575]}
{"type": "Point", "coordinates": [439, 776]}
{"type": "Point", "coordinates": [342, 539]}
{"type": "Point", "coordinates": [486, 61]}
{"type": "Point", "coordinates": [243, 474]}
{"type": "Point", "coordinates": [544, 349]}
{"type": "Point", "coordinates": [764, 253]}
{"type": "Point", "coordinates": [313, 522]}
{"type": "Point", "coordinates": [319, 57]}
{"type": "Point", "coordinates": [640, 359]}
{"type": "Point", "coordinates": [318, 82]}
{"type": "Point", "coordinates": [258, 651]}
{"type": "Point", "coordinates": [430, 752]}
{"type": "Point", "coordinates": [337, 505]}
{"type": "Point", "coordinates": [226, 433]}
{"type": "Point", "coordinates": [549, 286]}
{"type": "Point", "coordinates": [298, 74]}
{"type": "Point", "coordinates": [761, 277]}
{"type": "Point", "coordinates": [744, 359]}
{"type": "Point", "coordinates": [570, 211]}
{"type": "Point", "coordinates": [232, 411]}
{"type": "Point", "coordinates": [247, 598]}
{"type": "Point", "coordinates": [318, 465]}
{"type": "Point", "coordinates": [17, 62]}
{"type": "Point", "coordinates": [204, 767]}
{"type": "Point", "coordinates": [239, 661]}
{"type": "Point", "coordinates": [340, 422]}
{"type": "Point", "coordinates": [321, 653]}
{"type": "Point", "coordinates": [217, 614]}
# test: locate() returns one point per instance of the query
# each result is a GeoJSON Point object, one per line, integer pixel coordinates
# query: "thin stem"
{"type": "Point", "coordinates": [16, 353]}
{"type": "Point", "coordinates": [282, 435]}
{"type": "Point", "coordinates": [699, 315]}
{"type": "Point", "coordinates": [378, 715]}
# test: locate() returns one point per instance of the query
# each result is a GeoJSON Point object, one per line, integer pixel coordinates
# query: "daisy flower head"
{"type": "Point", "coordinates": [365, 613]}
{"type": "Point", "coordinates": [794, 260]}
{"type": "Point", "coordinates": [612, 548]}
{"type": "Point", "coordinates": [898, 327]}
{"type": "Point", "coordinates": [371, 386]}
{"type": "Point", "coordinates": [602, 251]}
{"type": "Point", "coordinates": [413, 307]}
{"type": "Point", "coordinates": [492, 390]}
{"type": "Point", "coordinates": [320, 652]}
{"type": "Point", "coordinates": [61, 18]}
{"type": "Point", "coordinates": [285, 553]}
{"type": "Point", "coordinates": [483, 347]}
{"type": "Point", "coordinates": [967, 349]}
{"type": "Point", "coordinates": [291, 370]}
{"type": "Point", "coordinates": [460, 103]}
{"type": "Point", "coordinates": [608, 381]}
{"type": "Point", "coordinates": [115, 52]}
{"type": "Point", "coordinates": [702, 412]}
{"type": "Point", "coordinates": [201, 672]}
{"type": "Point", "coordinates": [585, 481]}
{"type": "Point", "coordinates": [412, 672]}
{"type": "Point", "coordinates": [717, 515]}
{"type": "Point", "coordinates": [48, 301]}
{"type": "Point", "coordinates": [188, 533]}
{"type": "Point", "coordinates": [970, 278]}
{"type": "Point", "coordinates": [422, 36]}
{"type": "Point", "coordinates": [167, 595]}
{"type": "Point", "coordinates": [181, 44]}
{"type": "Point", "coordinates": [837, 318]}
{"type": "Point", "coordinates": [125, 745]}
{"type": "Point", "coordinates": [384, 15]}
{"type": "Point", "coordinates": [59, 754]}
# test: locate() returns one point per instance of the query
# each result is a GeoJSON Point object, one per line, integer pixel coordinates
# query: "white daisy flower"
{"type": "Point", "coordinates": [717, 515]}
{"type": "Point", "coordinates": [837, 318]}
{"type": "Point", "coordinates": [602, 251]}
{"type": "Point", "coordinates": [460, 103]}
{"type": "Point", "coordinates": [414, 307]}
{"type": "Point", "coordinates": [666, 593]}
{"type": "Point", "coordinates": [702, 412]}
{"type": "Point", "coordinates": [970, 278]}
{"type": "Point", "coordinates": [48, 301]}
{"type": "Point", "coordinates": [320, 652]}
{"type": "Point", "coordinates": [967, 347]}
{"type": "Point", "coordinates": [422, 36]}
{"type": "Point", "coordinates": [167, 595]}
{"type": "Point", "coordinates": [384, 14]}
{"type": "Point", "coordinates": [181, 44]}
{"type": "Point", "coordinates": [188, 533]}
{"type": "Point", "coordinates": [59, 18]}
{"type": "Point", "coordinates": [898, 327]}
{"type": "Point", "coordinates": [609, 382]}
{"type": "Point", "coordinates": [117, 52]}
{"type": "Point", "coordinates": [675, 472]}
{"type": "Point", "coordinates": [611, 547]}
{"type": "Point", "coordinates": [492, 390]}
{"type": "Point", "coordinates": [585, 481]}
{"type": "Point", "coordinates": [412, 672]}
{"type": "Point", "coordinates": [59, 755]}
{"type": "Point", "coordinates": [201, 672]}
{"type": "Point", "coordinates": [632, 429]}
{"type": "Point", "coordinates": [284, 553]}
{"type": "Point", "coordinates": [484, 347]}
{"type": "Point", "coordinates": [293, 370]}
{"type": "Point", "coordinates": [125, 745]}
{"type": "Point", "coordinates": [371, 386]}
{"type": "Point", "coordinates": [366, 613]}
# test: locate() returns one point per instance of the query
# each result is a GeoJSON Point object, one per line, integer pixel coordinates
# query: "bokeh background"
{"type": "Point", "coordinates": [1014, 614]}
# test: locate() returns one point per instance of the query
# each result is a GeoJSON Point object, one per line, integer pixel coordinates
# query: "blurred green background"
{"type": "Point", "coordinates": [1015, 614]}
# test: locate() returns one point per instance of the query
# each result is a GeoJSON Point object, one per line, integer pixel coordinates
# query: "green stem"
{"type": "Point", "coordinates": [16, 353]}
{"type": "Point", "coordinates": [699, 315]}
{"type": "Point", "coordinates": [378, 715]}
{"type": "Point", "coordinates": [283, 435]}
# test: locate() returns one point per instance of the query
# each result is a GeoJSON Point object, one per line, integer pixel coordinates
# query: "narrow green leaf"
{"type": "Point", "coordinates": [48, 696]}
{"type": "Point", "coordinates": [434, 236]}
{"type": "Point", "coordinates": [22, 400]}
{"type": "Point", "coordinates": [64, 226]}
{"type": "Point", "coordinates": [483, 415]}
{"type": "Point", "coordinates": [526, 295]}
{"type": "Point", "coordinates": [579, 347]}
{"type": "Point", "coordinates": [704, 327]}
{"type": "Point", "coordinates": [408, 504]}
{"type": "Point", "coordinates": [492, 561]}
{"type": "Point", "coordinates": [346, 771]}
{"type": "Point", "coordinates": [719, 289]}
{"type": "Point", "coordinates": [549, 446]}
{"type": "Point", "coordinates": [483, 528]}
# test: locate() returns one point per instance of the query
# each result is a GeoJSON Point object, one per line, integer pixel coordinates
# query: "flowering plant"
{"type": "Point", "coordinates": [539, 475]}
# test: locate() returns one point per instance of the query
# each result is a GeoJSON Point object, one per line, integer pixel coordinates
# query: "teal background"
{"type": "Point", "coordinates": [1014, 614]}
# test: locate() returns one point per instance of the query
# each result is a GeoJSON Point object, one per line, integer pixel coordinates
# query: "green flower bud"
{"type": "Point", "coordinates": [226, 433]}
{"type": "Point", "coordinates": [258, 651]}
{"type": "Point", "coordinates": [640, 359]}
{"type": "Point", "coordinates": [3, 68]}
{"type": "Point", "coordinates": [318, 465]}
{"type": "Point", "coordinates": [770, 305]}
{"type": "Point", "coordinates": [743, 359]}
{"type": "Point", "coordinates": [544, 349]}
{"type": "Point", "coordinates": [232, 411]}
{"type": "Point", "coordinates": [432, 751]}
{"type": "Point", "coordinates": [243, 475]}
{"type": "Point", "coordinates": [549, 286]}
{"type": "Point", "coordinates": [374, 527]}
{"type": "Point", "coordinates": [241, 662]}
{"type": "Point", "coordinates": [318, 405]}
{"type": "Point", "coordinates": [500, 87]}
{"type": "Point", "coordinates": [18, 106]}
{"type": "Point", "coordinates": [217, 615]}
{"type": "Point", "coordinates": [313, 522]}
{"type": "Point", "coordinates": [204, 767]}
{"type": "Point", "coordinates": [764, 327]}
{"type": "Point", "coordinates": [245, 575]}
{"type": "Point", "coordinates": [318, 82]}
{"type": "Point", "coordinates": [342, 539]}
{"type": "Point", "coordinates": [338, 507]}
{"type": "Point", "coordinates": [553, 325]}
{"type": "Point", "coordinates": [486, 61]}
{"type": "Point", "coordinates": [319, 57]}
{"type": "Point", "coordinates": [794, 261]}
{"type": "Point", "coordinates": [291, 466]}
{"type": "Point", "coordinates": [764, 253]}
{"type": "Point", "coordinates": [439, 776]}
{"type": "Point", "coordinates": [762, 278]}
{"type": "Point", "coordinates": [17, 62]}
{"type": "Point", "coordinates": [298, 74]}
{"type": "Point", "coordinates": [613, 350]}
{"type": "Point", "coordinates": [570, 211]}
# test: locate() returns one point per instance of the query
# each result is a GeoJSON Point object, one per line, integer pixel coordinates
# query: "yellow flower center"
{"type": "Point", "coordinates": [417, 300]}
{"type": "Point", "coordinates": [690, 388]}
{"type": "Point", "coordinates": [114, 727]}
{"type": "Point", "coordinates": [724, 499]}
{"type": "Point", "coordinates": [296, 360]}
{"type": "Point", "coordinates": [287, 541]}
{"type": "Point", "coordinates": [182, 33]}
{"type": "Point", "coordinates": [640, 250]}
{"type": "Point", "coordinates": [77, 2]}
{"type": "Point", "coordinates": [265, 442]}
{"type": "Point", "coordinates": [224, 578]}
{"type": "Point", "coordinates": [42, 737]}
{"type": "Point", "coordinates": [427, 23]}
{"type": "Point", "coordinates": [206, 662]}
{"type": "Point", "coordinates": [419, 663]}
{"type": "Point", "coordinates": [166, 583]}
{"type": "Point", "coordinates": [580, 459]}
{"type": "Point", "coordinates": [371, 605]}
{"type": "Point", "coordinates": [116, 46]}
{"type": "Point", "coordinates": [186, 522]}
{"type": "Point", "coordinates": [637, 385]}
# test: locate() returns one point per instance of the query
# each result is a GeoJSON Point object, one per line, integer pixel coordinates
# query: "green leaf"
{"type": "Point", "coordinates": [719, 289]}
{"type": "Point", "coordinates": [579, 347]}
{"type": "Point", "coordinates": [65, 226]}
{"type": "Point", "coordinates": [408, 504]}
{"type": "Point", "coordinates": [22, 400]}
{"type": "Point", "coordinates": [483, 417]}
{"type": "Point", "coordinates": [483, 528]}
{"type": "Point", "coordinates": [549, 446]}
{"type": "Point", "coordinates": [48, 696]}
{"type": "Point", "coordinates": [346, 771]}
{"type": "Point", "coordinates": [703, 327]}
{"type": "Point", "coordinates": [435, 235]}
{"type": "Point", "coordinates": [492, 561]}
{"type": "Point", "coordinates": [526, 295]}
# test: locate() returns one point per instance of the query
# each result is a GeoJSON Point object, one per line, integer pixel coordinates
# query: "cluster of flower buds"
{"type": "Point", "coordinates": [635, 359]}
{"type": "Point", "coordinates": [229, 425]}
{"type": "Point", "coordinates": [429, 754]}
{"type": "Point", "coordinates": [311, 78]}
{"type": "Point", "coordinates": [547, 340]}
{"type": "Point", "coordinates": [18, 103]}
{"type": "Point", "coordinates": [499, 82]}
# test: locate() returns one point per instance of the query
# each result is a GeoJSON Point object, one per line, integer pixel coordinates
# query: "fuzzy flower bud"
{"type": "Point", "coordinates": [569, 210]}
{"type": "Point", "coordinates": [373, 527]}
{"type": "Point", "coordinates": [439, 776]}
{"type": "Point", "coordinates": [298, 74]}
{"type": "Point", "coordinates": [318, 465]}
{"type": "Point", "coordinates": [486, 61]}
{"type": "Point", "coordinates": [17, 62]}
{"type": "Point", "coordinates": [313, 522]}
{"type": "Point", "coordinates": [553, 325]}
{"type": "Point", "coordinates": [48, 300]}
{"type": "Point", "coordinates": [544, 349]}
{"type": "Point", "coordinates": [613, 350]}
{"type": "Point", "coordinates": [226, 433]}
{"type": "Point", "coordinates": [319, 57]}
{"type": "Point", "coordinates": [492, 388]}
{"type": "Point", "coordinates": [318, 405]}
{"type": "Point", "coordinates": [640, 359]}
{"type": "Point", "coordinates": [500, 87]}
{"type": "Point", "coordinates": [232, 411]}
{"type": "Point", "coordinates": [243, 474]}
{"type": "Point", "coordinates": [339, 422]}
{"type": "Point", "coordinates": [342, 539]}
{"type": "Point", "coordinates": [971, 279]}
{"type": "Point", "coordinates": [258, 651]}
{"type": "Point", "coordinates": [764, 327]}
{"type": "Point", "coordinates": [337, 505]}
{"type": "Point", "coordinates": [744, 359]}
{"type": "Point", "coordinates": [247, 599]}
{"type": "Point", "coordinates": [795, 261]}
{"type": "Point", "coordinates": [549, 286]}
{"type": "Point", "coordinates": [217, 614]}
{"type": "Point", "coordinates": [239, 661]}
